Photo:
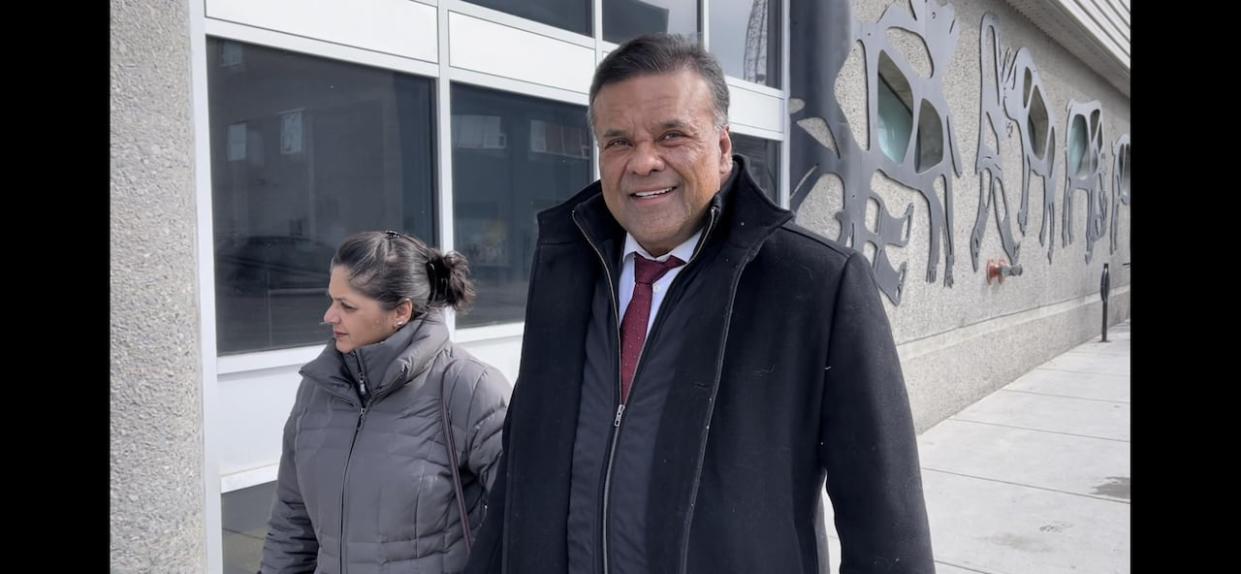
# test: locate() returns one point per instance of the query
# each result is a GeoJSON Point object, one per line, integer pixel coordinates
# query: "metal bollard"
{"type": "Point", "coordinates": [1105, 286]}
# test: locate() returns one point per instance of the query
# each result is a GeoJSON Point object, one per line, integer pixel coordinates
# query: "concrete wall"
{"type": "Point", "coordinates": [157, 488]}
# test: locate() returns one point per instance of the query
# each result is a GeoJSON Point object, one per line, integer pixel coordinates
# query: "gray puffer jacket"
{"type": "Point", "coordinates": [366, 487]}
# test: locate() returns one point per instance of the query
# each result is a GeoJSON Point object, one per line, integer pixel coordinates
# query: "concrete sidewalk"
{"type": "Point", "coordinates": [1034, 478]}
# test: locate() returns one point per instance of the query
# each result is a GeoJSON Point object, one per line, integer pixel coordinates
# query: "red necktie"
{"type": "Point", "coordinates": [637, 315]}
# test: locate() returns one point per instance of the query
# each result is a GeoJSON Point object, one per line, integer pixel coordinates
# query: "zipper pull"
{"type": "Point", "coordinates": [361, 416]}
{"type": "Point", "coordinates": [620, 413]}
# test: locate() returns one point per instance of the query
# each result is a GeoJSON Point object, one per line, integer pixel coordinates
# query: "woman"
{"type": "Point", "coordinates": [367, 481]}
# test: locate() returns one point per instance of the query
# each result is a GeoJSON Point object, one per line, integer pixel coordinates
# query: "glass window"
{"type": "Point", "coordinates": [745, 37]}
{"type": "Point", "coordinates": [763, 158]}
{"type": "Point", "coordinates": [513, 156]}
{"type": "Point", "coordinates": [305, 151]}
{"type": "Point", "coordinates": [1077, 146]}
{"type": "Point", "coordinates": [627, 19]}
{"type": "Point", "coordinates": [244, 514]}
{"type": "Point", "coordinates": [895, 110]}
{"type": "Point", "coordinates": [572, 15]}
{"type": "Point", "coordinates": [1036, 121]}
{"type": "Point", "coordinates": [1126, 176]}
{"type": "Point", "coordinates": [929, 147]}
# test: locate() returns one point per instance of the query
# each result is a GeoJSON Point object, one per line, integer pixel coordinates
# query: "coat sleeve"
{"type": "Point", "coordinates": [485, 557]}
{"type": "Point", "coordinates": [867, 440]}
{"type": "Point", "coordinates": [291, 546]}
{"type": "Point", "coordinates": [488, 403]}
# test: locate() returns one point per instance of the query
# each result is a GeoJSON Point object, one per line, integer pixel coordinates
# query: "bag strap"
{"type": "Point", "coordinates": [454, 464]}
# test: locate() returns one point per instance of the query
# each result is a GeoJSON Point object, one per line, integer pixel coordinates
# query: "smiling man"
{"type": "Point", "coordinates": [695, 365]}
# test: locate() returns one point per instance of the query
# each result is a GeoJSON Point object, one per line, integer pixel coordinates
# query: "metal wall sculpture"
{"type": "Point", "coordinates": [1013, 92]}
{"type": "Point", "coordinates": [919, 149]}
{"type": "Point", "coordinates": [824, 33]}
{"type": "Point", "coordinates": [1084, 164]}
{"type": "Point", "coordinates": [1120, 184]}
